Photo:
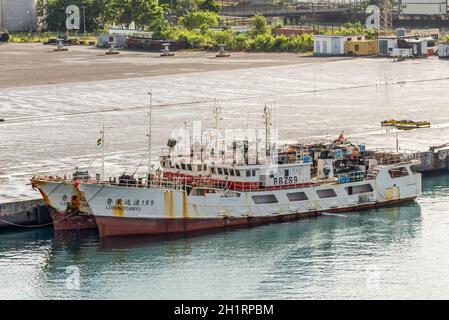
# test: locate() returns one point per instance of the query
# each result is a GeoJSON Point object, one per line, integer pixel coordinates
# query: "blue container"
{"type": "Point", "coordinates": [307, 159]}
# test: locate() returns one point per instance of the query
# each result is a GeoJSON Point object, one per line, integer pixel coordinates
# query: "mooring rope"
{"type": "Point", "coordinates": [53, 221]}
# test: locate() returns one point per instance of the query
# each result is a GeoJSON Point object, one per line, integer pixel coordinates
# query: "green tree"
{"type": "Point", "coordinates": [144, 13]}
{"type": "Point", "coordinates": [196, 19]}
{"type": "Point", "coordinates": [260, 25]}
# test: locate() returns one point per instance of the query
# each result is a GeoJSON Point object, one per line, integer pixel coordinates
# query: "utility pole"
{"type": "Point", "coordinates": [84, 19]}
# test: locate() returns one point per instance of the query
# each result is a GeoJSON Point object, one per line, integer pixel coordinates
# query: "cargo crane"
{"type": "Point", "coordinates": [435, 148]}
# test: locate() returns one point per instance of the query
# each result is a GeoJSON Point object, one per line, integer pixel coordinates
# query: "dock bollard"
{"type": "Point", "coordinates": [112, 48]}
{"type": "Point", "coordinates": [166, 50]}
{"type": "Point", "coordinates": [222, 52]}
{"type": "Point", "coordinates": [60, 46]}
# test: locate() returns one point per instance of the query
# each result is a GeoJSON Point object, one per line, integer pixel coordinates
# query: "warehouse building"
{"type": "Point", "coordinates": [18, 15]}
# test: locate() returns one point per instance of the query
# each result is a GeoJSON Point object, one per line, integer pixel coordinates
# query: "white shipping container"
{"type": "Point", "coordinates": [324, 45]}
{"type": "Point", "coordinates": [424, 7]}
{"type": "Point", "coordinates": [443, 50]}
{"type": "Point", "coordinates": [402, 52]}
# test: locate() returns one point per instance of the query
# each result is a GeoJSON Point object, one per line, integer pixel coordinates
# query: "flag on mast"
{"type": "Point", "coordinates": [99, 141]}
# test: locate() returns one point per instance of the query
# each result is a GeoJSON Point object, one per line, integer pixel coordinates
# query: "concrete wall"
{"type": "Point", "coordinates": [434, 161]}
{"type": "Point", "coordinates": [18, 15]}
{"type": "Point", "coordinates": [30, 212]}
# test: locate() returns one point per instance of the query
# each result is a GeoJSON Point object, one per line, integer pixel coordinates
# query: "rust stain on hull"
{"type": "Point", "coordinates": [169, 205]}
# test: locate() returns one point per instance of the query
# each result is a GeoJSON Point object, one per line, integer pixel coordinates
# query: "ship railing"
{"type": "Point", "coordinates": [66, 179]}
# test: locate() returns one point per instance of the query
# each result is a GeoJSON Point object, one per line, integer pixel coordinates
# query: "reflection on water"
{"type": "Point", "coordinates": [396, 252]}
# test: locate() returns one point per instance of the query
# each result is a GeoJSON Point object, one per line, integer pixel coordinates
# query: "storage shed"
{"type": "Point", "coordinates": [361, 48]}
{"type": "Point", "coordinates": [328, 45]}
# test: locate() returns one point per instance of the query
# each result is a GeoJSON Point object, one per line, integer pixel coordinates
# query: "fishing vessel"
{"type": "Point", "coordinates": [295, 181]}
{"type": "Point", "coordinates": [196, 193]}
{"type": "Point", "coordinates": [405, 124]}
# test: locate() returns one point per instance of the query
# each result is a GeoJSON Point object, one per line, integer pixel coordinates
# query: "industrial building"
{"type": "Point", "coordinates": [18, 15]}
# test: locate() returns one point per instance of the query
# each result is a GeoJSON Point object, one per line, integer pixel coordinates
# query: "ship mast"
{"type": "Point", "coordinates": [216, 111]}
{"type": "Point", "coordinates": [150, 93]}
{"type": "Point", "coordinates": [267, 122]}
{"type": "Point", "coordinates": [102, 153]}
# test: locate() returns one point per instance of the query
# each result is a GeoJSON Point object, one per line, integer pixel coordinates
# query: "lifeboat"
{"type": "Point", "coordinates": [405, 124]}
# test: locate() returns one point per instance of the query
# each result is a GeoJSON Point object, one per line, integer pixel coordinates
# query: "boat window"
{"type": "Point", "coordinates": [199, 167]}
{"type": "Point", "coordinates": [297, 196]}
{"type": "Point", "coordinates": [197, 192]}
{"type": "Point", "coordinates": [254, 173]}
{"type": "Point", "coordinates": [265, 199]}
{"type": "Point", "coordinates": [237, 173]}
{"type": "Point", "coordinates": [189, 166]}
{"type": "Point", "coordinates": [398, 172]}
{"type": "Point", "coordinates": [271, 174]}
{"type": "Point", "coordinates": [204, 167]}
{"type": "Point", "coordinates": [231, 172]}
{"type": "Point", "coordinates": [326, 193]}
{"type": "Point", "coordinates": [364, 188]}
{"type": "Point", "coordinates": [225, 171]}
{"type": "Point", "coordinates": [248, 173]}
{"type": "Point", "coordinates": [177, 166]}
{"type": "Point", "coordinates": [286, 173]}
{"type": "Point", "coordinates": [231, 195]}
{"type": "Point", "coordinates": [212, 169]}
{"type": "Point", "coordinates": [183, 166]}
{"type": "Point", "coordinates": [219, 171]}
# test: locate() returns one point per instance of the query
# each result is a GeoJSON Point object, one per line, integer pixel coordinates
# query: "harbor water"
{"type": "Point", "coordinates": [393, 253]}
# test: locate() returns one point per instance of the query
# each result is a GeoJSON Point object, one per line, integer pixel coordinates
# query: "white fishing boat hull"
{"type": "Point", "coordinates": [121, 210]}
